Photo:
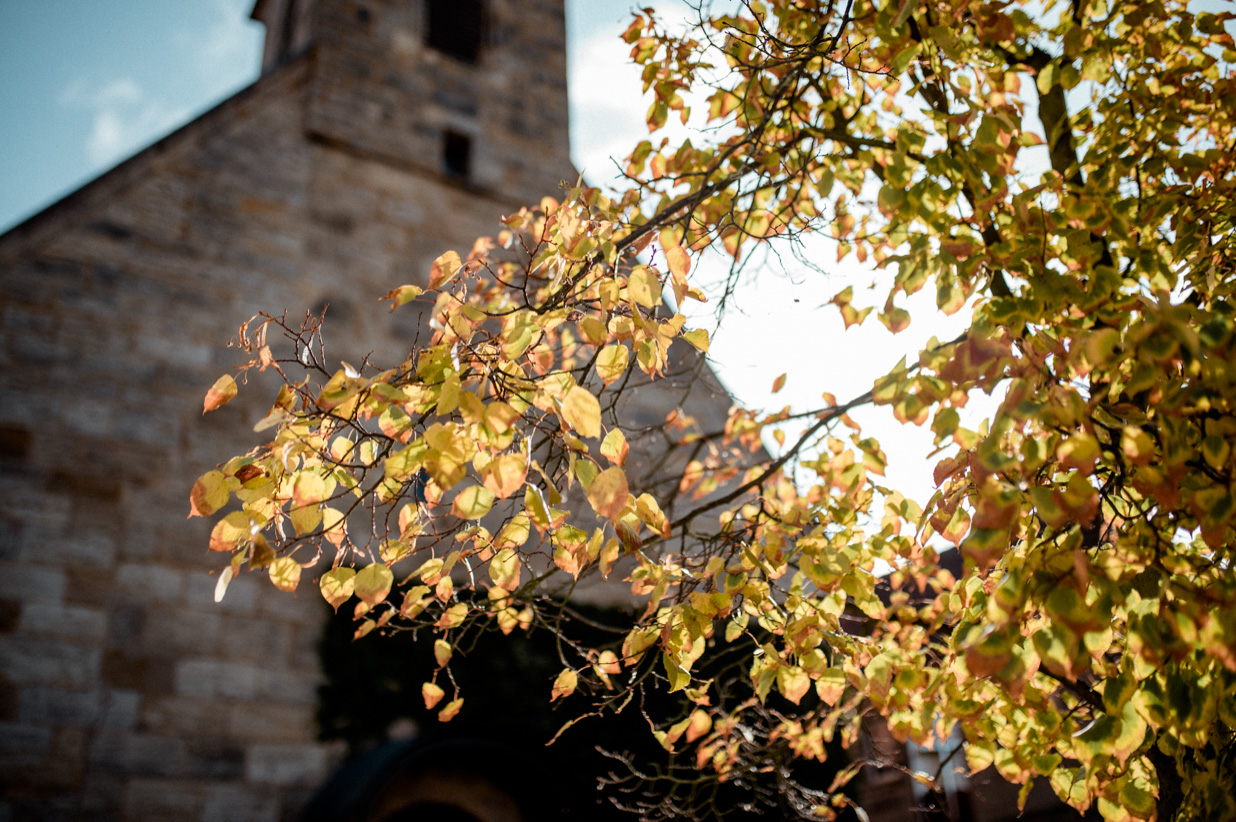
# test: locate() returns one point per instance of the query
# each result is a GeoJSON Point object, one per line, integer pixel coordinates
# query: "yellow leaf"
{"type": "Point", "coordinates": [582, 411]}
{"type": "Point", "coordinates": [504, 569]}
{"type": "Point", "coordinates": [678, 260]}
{"type": "Point", "coordinates": [564, 685]}
{"type": "Point", "coordinates": [778, 383]}
{"type": "Point", "coordinates": [644, 288]}
{"type": "Point", "coordinates": [612, 361]}
{"type": "Point", "coordinates": [472, 502]}
{"type": "Point", "coordinates": [305, 520]}
{"type": "Point", "coordinates": [514, 533]}
{"type": "Point", "coordinates": [402, 295]}
{"type": "Point", "coordinates": [334, 526]}
{"type": "Point", "coordinates": [614, 447]}
{"type": "Point", "coordinates": [373, 583]}
{"type": "Point", "coordinates": [450, 711]}
{"type": "Point", "coordinates": [594, 330]}
{"type": "Point", "coordinates": [432, 694]}
{"type": "Point", "coordinates": [209, 494]}
{"type": "Point", "coordinates": [442, 652]}
{"type": "Point", "coordinates": [230, 532]}
{"type": "Point", "coordinates": [505, 474]}
{"type": "Point", "coordinates": [698, 337]}
{"type": "Point", "coordinates": [608, 493]}
{"type": "Point", "coordinates": [337, 586]}
{"type": "Point", "coordinates": [453, 616]}
{"type": "Point", "coordinates": [444, 268]}
{"type": "Point", "coordinates": [830, 686]}
{"type": "Point", "coordinates": [650, 512]}
{"type": "Point", "coordinates": [308, 489]}
{"type": "Point", "coordinates": [793, 683]}
{"type": "Point", "coordinates": [285, 573]}
{"type": "Point", "coordinates": [220, 393]}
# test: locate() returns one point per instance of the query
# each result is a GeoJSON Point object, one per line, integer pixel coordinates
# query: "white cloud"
{"type": "Point", "coordinates": [606, 104]}
{"type": "Point", "coordinates": [217, 59]}
{"type": "Point", "coordinates": [125, 118]}
{"type": "Point", "coordinates": [223, 51]}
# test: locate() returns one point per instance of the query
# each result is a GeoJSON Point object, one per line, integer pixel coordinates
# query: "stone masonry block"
{"type": "Point", "coordinates": [269, 721]}
{"type": "Point", "coordinates": [26, 583]}
{"type": "Point", "coordinates": [80, 547]}
{"type": "Point", "coordinates": [23, 745]}
{"type": "Point", "coordinates": [138, 754]}
{"type": "Point", "coordinates": [287, 764]}
{"type": "Point", "coordinates": [240, 803]}
{"type": "Point", "coordinates": [69, 623]}
{"type": "Point", "coordinates": [217, 678]}
{"type": "Point", "coordinates": [159, 800]}
{"type": "Point", "coordinates": [27, 661]}
{"type": "Point", "coordinates": [156, 583]}
{"type": "Point", "coordinates": [255, 640]}
{"type": "Point", "coordinates": [42, 705]}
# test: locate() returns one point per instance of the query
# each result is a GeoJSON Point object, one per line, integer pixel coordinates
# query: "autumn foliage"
{"type": "Point", "coordinates": [1065, 172]}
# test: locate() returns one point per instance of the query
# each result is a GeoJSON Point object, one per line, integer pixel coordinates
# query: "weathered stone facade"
{"type": "Point", "coordinates": [362, 153]}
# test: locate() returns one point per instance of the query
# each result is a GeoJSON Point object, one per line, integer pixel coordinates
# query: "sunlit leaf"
{"type": "Point", "coordinates": [472, 502]}
{"type": "Point", "coordinates": [209, 494]}
{"type": "Point", "coordinates": [285, 573]}
{"type": "Point", "coordinates": [608, 492]}
{"type": "Point", "coordinates": [564, 685]}
{"type": "Point", "coordinates": [582, 411]}
{"type": "Point", "coordinates": [220, 393]}
{"type": "Point", "coordinates": [372, 583]}
{"type": "Point", "coordinates": [337, 586]}
{"type": "Point", "coordinates": [443, 269]}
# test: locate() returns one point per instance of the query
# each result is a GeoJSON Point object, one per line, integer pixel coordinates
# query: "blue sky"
{"type": "Point", "coordinates": [84, 84]}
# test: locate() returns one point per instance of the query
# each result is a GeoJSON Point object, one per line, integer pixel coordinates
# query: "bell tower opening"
{"type": "Point", "coordinates": [456, 28]}
{"type": "Point", "coordinates": [456, 155]}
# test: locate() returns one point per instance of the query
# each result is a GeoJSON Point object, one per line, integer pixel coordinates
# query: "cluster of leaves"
{"type": "Point", "coordinates": [1090, 638]}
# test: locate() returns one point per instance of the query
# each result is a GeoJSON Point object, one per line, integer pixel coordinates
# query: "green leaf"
{"type": "Point", "coordinates": [678, 676]}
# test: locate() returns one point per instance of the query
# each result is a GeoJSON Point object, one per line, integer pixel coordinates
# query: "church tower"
{"type": "Point", "coordinates": [472, 89]}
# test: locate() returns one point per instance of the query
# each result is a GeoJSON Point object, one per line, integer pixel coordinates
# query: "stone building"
{"type": "Point", "coordinates": [381, 133]}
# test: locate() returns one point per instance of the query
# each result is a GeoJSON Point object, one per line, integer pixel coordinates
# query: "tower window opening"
{"type": "Point", "coordinates": [455, 28]}
{"type": "Point", "coordinates": [456, 154]}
